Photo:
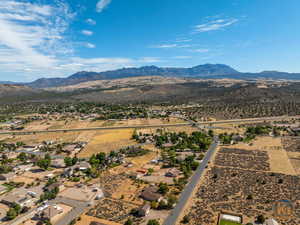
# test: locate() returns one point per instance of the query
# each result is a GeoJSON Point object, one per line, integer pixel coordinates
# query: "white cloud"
{"type": "Point", "coordinates": [102, 60]}
{"type": "Point", "coordinates": [101, 5]}
{"type": "Point", "coordinates": [87, 32]}
{"type": "Point", "coordinates": [183, 40]}
{"type": "Point", "coordinates": [182, 57]}
{"type": "Point", "coordinates": [171, 46]}
{"type": "Point", "coordinates": [214, 25]}
{"type": "Point", "coordinates": [90, 21]}
{"type": "Point", "coordinates": [200, 50]}
{"type": "Point", "coordinates": [32, 36]}
{"type": "Point", "coordinates": [149, 60]}
{"type": "Point", "coordinates": [89, 45]}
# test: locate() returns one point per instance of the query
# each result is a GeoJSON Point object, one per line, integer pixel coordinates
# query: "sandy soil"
{"type": "Point", "coordinates": [66, 210]}
{"type": "Point", "coordinates": [128, 191]}
{"type": "Point", "coordinates": [86, 220]}
{"type": "Point", "coordinates": [295, 161]}
{"type": "Point", "coordinates": [159, 215]}
{"type": "Point", "coordinates": [22, 179]}
{"type": "Point", "coordinates": [280, 162]}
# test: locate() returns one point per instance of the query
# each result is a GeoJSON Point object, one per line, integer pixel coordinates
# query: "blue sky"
{"type": "Point", "coordinates": [55, 38]}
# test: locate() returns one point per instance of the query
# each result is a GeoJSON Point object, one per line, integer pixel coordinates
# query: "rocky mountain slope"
{"type": "Point", "coordinates": [204, 71]}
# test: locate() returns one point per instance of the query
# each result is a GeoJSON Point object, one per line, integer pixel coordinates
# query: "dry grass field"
{"type": "Point", "coordinates": [106, 141]}
{"type": "Point", "coordinates": [187, 129]}
{"type": "Point", "coordinates": [38, 138]}
{"type": "Point", "coordinates": [229, 128]}
{"type": "Point", "coordinates": [295, 161]}
{"type": "Point", "coordinates": [279, 160]}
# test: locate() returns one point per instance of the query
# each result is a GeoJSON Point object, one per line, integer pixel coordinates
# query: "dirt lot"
{"type": "Point", "coordinates": [23, 179]}
{"type": "Point", "coordinates": [278, 157]}
{"type": "Point", "coordinates": [295, 161]}
{"type": "Point", "coordinates": [116, 210]}
{"type": "Point", "coordinates": [106, 141]}
{"type": "Point", "coordinates": [66, 210]}
{"type": "Point", "coordinates": [86, 220]}
{"type": "Point", "coordinates": [128, 191]}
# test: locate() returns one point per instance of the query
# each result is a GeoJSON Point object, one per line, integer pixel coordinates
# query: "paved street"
{"type": "Point", "coordinates": [189, 189]}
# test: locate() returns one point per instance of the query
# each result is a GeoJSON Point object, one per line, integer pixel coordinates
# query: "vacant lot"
{"type": "Point", "coordinates": [278, 157]}
{"type": "Point", "coordinates": [106, 141]}
{"type": "Point", "coordinates": [86, 220]}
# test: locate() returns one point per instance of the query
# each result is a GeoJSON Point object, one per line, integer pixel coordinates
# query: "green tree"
{"type": "Point", "coordinates": [260, 219]}
{"type": "Point", "coordinates": [163, 188]}
{"type": "Point", "coordinates": [150, 171]}
{"type": "Point", "coordinates": [153, 222]}
{"type": "Point", "coordinates": [22, 156]}
{"type": "Point", "coordinates": [45, 162]}
{"type": "Point", "coordinates": [11, 214]}
{"type": "Point", "coordinates": [128, 222]}
{"type": "Point", "coordinates": [68, 161]}
{"type": "Point", "coordinates": [185, 219]}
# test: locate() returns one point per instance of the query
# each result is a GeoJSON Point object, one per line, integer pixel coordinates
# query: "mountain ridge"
{"type": "Point", "coordinates": [205, 71]}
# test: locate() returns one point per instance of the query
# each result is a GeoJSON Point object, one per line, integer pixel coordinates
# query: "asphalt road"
{"type": "Point", "coordinates": [189, 189]}
{"type": "Point", "coordinates": [150, 126]}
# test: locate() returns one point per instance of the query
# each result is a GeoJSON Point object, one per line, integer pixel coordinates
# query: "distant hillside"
{"type": "Point", "coordinates": [206, 71]}
{"type": "Point", "coordinates": [11, 90]}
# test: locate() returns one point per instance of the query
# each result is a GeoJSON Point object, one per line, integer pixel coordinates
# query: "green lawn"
{"type": "Point", "coordinates": [226, 222]}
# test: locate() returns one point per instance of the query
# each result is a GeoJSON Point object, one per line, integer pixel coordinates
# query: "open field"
{"type": "Point", "coordinates": [106, 141]}
{"type": "Point", "coordinates": [280, 162]}
{"type": "Point", "coordinates": [40, 137]}
{"type": "Point", "coordinates": [278, 157]}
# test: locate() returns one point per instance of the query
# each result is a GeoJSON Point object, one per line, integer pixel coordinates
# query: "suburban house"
{"type": "Point", "coordinates": [150, 194]}
{"type": "Point", "coordinates": [23, 196]}
{"type": "Point", "coordinates": [58, 163]}
{"type": "Point", "coordinates": [50, 212]}
{"type": "Point", "coordinates": [23, 168]}
{"type": "Point", "coordinates": [83, 165]}
{"type": "Point", "coordinates": [173, 172]}
{"type": "Point", "coordinates": [69, 148]}
{"type": "Point", "coordinates": [271, 221]}
{"type": "Point", "coordinates": [144, 210]}
{"type": "Point", "coordinates": [7, 176]}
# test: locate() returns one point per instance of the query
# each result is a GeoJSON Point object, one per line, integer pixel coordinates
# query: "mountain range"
{"type": "Point", "coordinates": [206, 71]}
